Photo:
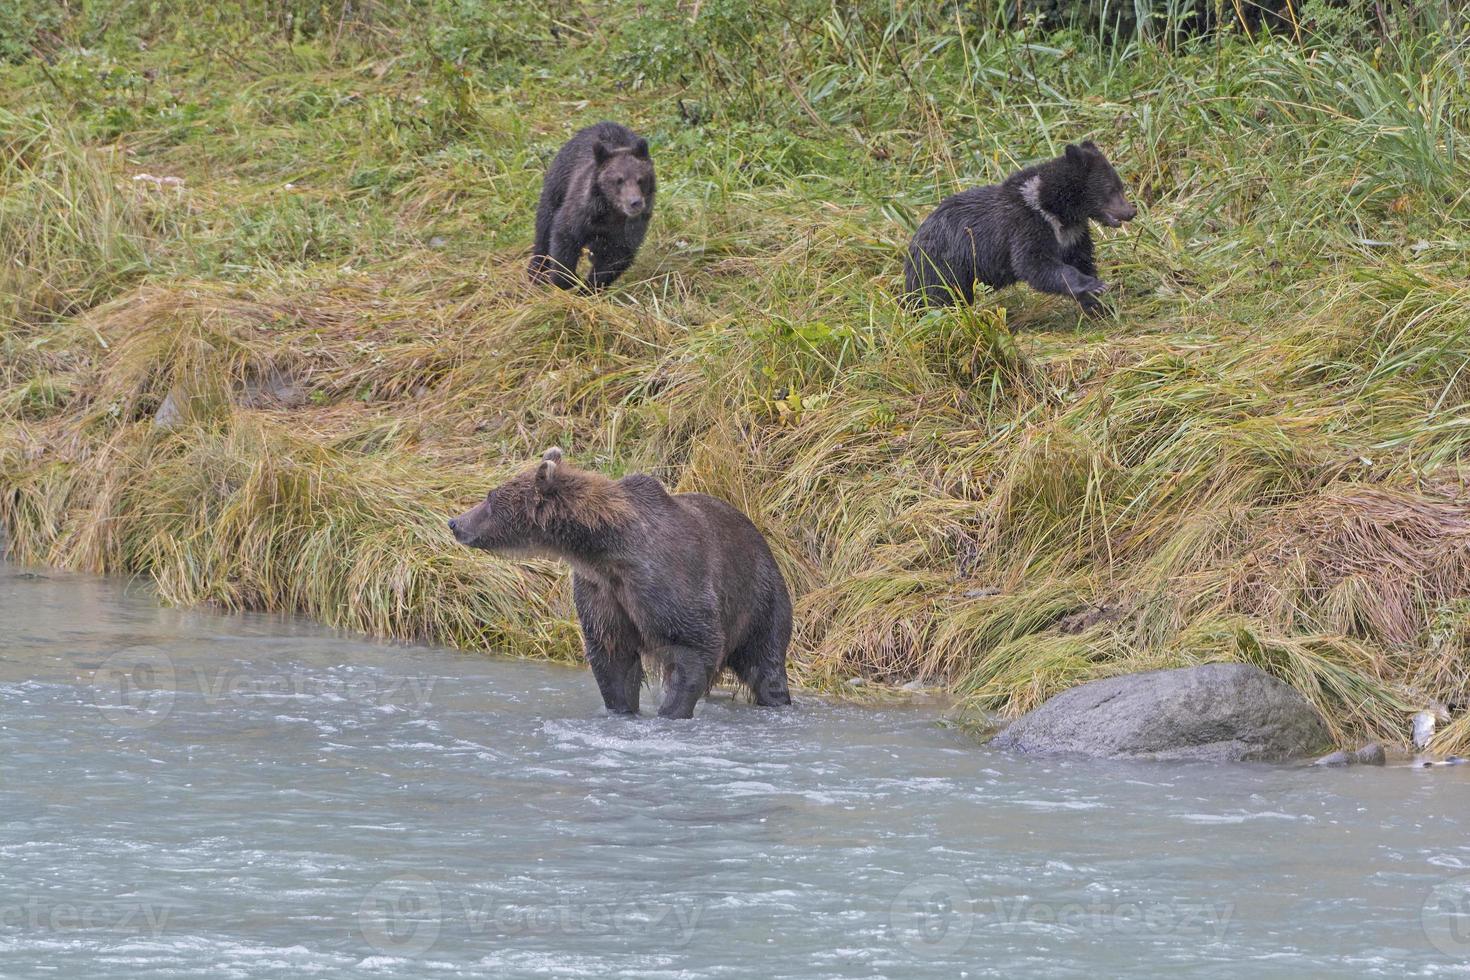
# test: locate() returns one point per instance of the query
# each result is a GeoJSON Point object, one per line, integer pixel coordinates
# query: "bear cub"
{"type": "Point", "coordinates": [597, 195]}
{"type": "Point", "coordinates": [1032, 227]}
{"type": "Point", "coordinates": [681, 584]}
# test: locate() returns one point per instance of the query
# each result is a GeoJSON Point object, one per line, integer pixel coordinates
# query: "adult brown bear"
{"type": "Point", "coordinates": [682, 584]}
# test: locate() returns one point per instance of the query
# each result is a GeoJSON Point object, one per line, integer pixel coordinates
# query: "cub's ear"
{"type": "Point", "coordinates": [1089, 145]}
{"type": "Point", "coordinates": [640, 149]}
{"type": "Point", "coordinates": [1075, 154]}
{"type": "Point", "coordinates": [553, 454]}
{"type": "Point", "coordinates": [600, 152]}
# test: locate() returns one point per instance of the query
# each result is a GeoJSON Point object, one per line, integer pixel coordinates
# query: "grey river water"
{"type": "Point", "coordinates": [185, 794]}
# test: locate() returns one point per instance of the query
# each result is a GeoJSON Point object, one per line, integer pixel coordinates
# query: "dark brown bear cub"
{"type": "Point", "coordinates": [598, 195]}
{"type": "Point", "coordinates": [682, 582]}
{"type": "Point", "coordinates": [1032, 227]}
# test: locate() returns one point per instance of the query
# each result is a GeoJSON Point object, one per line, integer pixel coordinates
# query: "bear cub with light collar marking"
{"type": "Point", "coordinates": [1031, 228]}
{"type": "Point", "coordinates": [598, 196]}
{"type": "Point", "coordinates": [682, 584]}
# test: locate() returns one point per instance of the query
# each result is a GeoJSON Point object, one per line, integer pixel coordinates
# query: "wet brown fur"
{"type": "Point", "coordinates": [679, 585]}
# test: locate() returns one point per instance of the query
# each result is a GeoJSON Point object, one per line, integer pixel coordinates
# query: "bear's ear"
{"type": "Point", "coordinates": [546, 473]}
{"type": "Point", "coordinates": [1075, 154]}
{"type": "Point", "coordinates": [640, 148]}
{"type": "Point", "coordinates": [553, 454]}
{"type": "Point", "coordinates": [600, 152]}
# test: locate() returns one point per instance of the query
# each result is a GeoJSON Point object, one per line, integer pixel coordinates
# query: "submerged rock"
{"type": "Point", "coordinates": [1371, 754]}
{"type": "Point", "coordinates": [1214, 713]}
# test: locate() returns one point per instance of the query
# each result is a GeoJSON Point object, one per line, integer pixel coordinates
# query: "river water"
{"type": "Point", "coordinates": [185, 794]}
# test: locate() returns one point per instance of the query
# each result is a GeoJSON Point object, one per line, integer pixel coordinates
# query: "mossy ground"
{"type": "Point", "coordinates": [309, 236]}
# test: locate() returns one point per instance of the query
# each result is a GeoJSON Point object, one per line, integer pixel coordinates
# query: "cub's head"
{"type": "Point", "coordinates": [549, 510]}
{"type": "Point", "coordinates": [1102, 197]}
{"type": "Point", "coordinates": [624, 177]}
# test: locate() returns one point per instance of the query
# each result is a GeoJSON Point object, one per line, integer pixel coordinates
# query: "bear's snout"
{"type": "Point", "coordinates": [460, 527]}
{"type": "Point", "coordinates": [1119, 211]}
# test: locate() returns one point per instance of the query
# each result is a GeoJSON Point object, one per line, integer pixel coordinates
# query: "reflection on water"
{"type": "Point", "coordinates": [186, 794]}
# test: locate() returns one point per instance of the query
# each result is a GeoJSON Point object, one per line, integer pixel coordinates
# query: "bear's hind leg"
{"type": "Point", "coordinates": [934, 283]}
{"type": "Point", "coordinates": [761, 665]}
{"type": "Point", "coordinates": [541, 247]}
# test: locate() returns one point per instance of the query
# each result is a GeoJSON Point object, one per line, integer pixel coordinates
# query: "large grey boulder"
{"type": "Point", "coordinates": [1213, 713]}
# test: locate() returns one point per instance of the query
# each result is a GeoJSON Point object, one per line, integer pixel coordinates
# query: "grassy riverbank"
{"type": "Point", "coordinates": [264, 324]}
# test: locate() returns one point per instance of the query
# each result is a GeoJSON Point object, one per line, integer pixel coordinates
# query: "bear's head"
{"type": "Point", "coordinates": [624, 177]}
{"type": "Point", "coordinates": [1097, 188]}
{"type": "Point", "coordinates": [550, 510]}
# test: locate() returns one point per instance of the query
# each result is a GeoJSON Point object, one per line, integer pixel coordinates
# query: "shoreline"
{"type": "Point", "coordinates": [267, 326]}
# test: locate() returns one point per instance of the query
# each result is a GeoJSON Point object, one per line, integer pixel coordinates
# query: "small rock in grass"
{"type": "Point", "coordinates": [169, 414]}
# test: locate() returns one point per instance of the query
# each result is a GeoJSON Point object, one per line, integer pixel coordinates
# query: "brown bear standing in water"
{"type": "Point", "coordinates": [682, 583]}
{"type": "Point", "coordinates": [598, 195]}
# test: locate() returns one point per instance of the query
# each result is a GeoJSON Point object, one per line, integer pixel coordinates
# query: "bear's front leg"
{"type": "Point", "coordinates": [1049, 274]}
{"type": "Point", "coordinates": [619, 678]}
{"type": "Point", "coordinates": [611, 645]}
{"type": "Point", "coordinates": [610, 260]}
{"type": "Point", "coordinates": [688, 676]}
{"type": "Point", "coordinates": [561, 265]}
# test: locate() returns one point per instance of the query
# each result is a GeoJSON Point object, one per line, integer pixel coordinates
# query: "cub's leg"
{"type": "Point", "coordinates": [610, 259]}
{"type": "Point", "coordinates": [566, 250]}
{"type": "Point", "coordinates": [1080, 257]}
{"type": "Point", "coordinates": [541, 249]}
{"type": "Point", "coordinates": [942, 279]}
{"type": "Point", "coordinates": [1049, 274]}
